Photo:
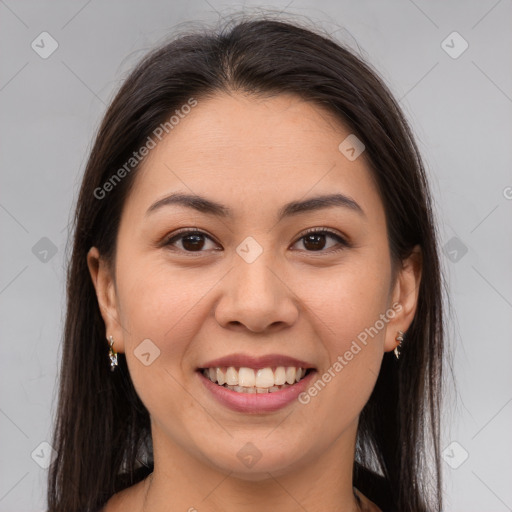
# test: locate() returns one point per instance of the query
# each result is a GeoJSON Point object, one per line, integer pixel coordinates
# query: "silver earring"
{"type": "Point", "coordinates": [112, 354]}
{"type": "Point", "coordinates": [399, 338]}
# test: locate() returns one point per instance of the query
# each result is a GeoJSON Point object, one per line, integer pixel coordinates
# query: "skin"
{"type": "Point", "coordinates": [252, 155]}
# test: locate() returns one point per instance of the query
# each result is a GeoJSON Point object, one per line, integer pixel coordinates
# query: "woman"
{"type": "Point", "coordinates": [254, 311]}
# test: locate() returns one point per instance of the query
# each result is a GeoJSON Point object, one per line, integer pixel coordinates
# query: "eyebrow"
{"type": "Point", "coordinates": [204, 205]}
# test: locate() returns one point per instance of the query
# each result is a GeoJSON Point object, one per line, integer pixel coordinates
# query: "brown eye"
{"type": "Point", "coordinates": [191, 241]}
{"type": "Point", "coordinates": [314, 242]}
{"type": "Point", "coordinates": [318, 240]}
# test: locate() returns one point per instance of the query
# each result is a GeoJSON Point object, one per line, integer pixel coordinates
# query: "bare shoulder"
{"type": "Point", "coordinates": [127, 500]}
{"type": "Point", "coordinates": [365, 504]}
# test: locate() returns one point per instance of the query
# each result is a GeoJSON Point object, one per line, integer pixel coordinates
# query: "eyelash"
{"type": "Point", "coordinates": [342, 242]}
{"type": "Point", "coordinates": [324, 231]}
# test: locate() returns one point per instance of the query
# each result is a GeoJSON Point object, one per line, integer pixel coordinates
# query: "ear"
{"type": "Point", "coordinates": [405, 292]}
{"type": "Point", "coordinates": [104, 285]}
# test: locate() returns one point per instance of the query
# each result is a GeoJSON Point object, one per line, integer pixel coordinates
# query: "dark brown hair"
{"type": "Point", "coordinates": [102, 429]}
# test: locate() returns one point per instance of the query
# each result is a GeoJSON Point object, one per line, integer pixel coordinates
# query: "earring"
{"type": "Point", "coordinates": [399, 338]}
{"type": "Point", "coordinates": [112, 354]}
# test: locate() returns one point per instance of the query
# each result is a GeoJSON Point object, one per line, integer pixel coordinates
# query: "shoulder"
{"type": "Point", "coordinates": [126, 500]}
{"type": "Point", "coordinates": [365, 504]}
{"type": "Point", "coordinates": [375, 489]}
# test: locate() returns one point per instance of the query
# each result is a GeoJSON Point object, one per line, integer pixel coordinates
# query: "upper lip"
{"type": "Point", "coordinates": [269, 360]}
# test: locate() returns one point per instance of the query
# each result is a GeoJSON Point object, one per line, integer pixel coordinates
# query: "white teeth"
{"type": "Point", "coordinates": [246, 377]}
{"type": "Point", "coordinates": [264, 378]}
{"type": "Point", "coordinates": [231, 376]}
{"type": "Point", "coordinates": [279, 376]}
{"type": "Point", "coordinates": [290, 374]}
{"type": "Point", "coordinates": [220, 377]}
{"type": "Point", "coordinates": [248, 380]}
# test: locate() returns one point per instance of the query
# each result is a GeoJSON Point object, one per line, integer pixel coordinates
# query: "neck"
{"type": "Point", "coordinates": [185, 483]}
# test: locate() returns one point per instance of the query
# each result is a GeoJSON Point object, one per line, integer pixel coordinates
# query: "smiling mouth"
{"type": "Point", "coordinates": [261, 380]}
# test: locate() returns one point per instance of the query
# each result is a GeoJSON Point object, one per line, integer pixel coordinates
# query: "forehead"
{"type": "Point", "coordinates": [249, 151]}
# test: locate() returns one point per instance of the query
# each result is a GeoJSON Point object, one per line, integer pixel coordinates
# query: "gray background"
{"type": "Point", "coordinates": [460, 109]}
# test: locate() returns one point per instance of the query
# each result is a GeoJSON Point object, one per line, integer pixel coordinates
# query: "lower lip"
{"type": "Point", "coordinates": [256, 402]}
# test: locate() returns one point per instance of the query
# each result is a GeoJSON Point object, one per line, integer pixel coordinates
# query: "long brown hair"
{"type": "Point", "coordinates": [102, 429]}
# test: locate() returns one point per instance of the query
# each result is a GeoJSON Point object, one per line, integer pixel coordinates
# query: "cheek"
{"type": "Point", "coordinates": [161, 312]}
{"type": "Point", "coordinates": [157, 300]}
{"type": "Point", "coordinates": [346, 301]}
{"type": "Point", "coordinates": [346, 306]}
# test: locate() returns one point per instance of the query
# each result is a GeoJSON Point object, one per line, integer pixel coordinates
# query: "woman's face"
{"type": "Point", "coordinates": [252, 287]}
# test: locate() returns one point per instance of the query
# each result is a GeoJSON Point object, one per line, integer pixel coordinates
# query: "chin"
{"type": "Point", "coordinates": [253, 462]}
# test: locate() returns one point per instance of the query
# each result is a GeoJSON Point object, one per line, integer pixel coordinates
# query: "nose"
{"type": "Point", "coordinates": [256, 296]}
